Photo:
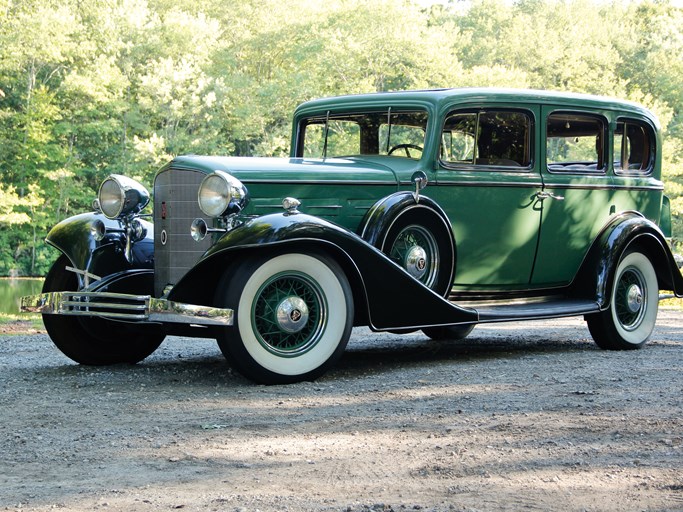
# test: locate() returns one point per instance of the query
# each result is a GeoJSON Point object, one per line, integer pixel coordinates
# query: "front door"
{"type": "Point", "coordinates": [487, 181]}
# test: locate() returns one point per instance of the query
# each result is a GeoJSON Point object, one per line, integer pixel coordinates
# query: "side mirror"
{"type": "Point", "coordinates": [419, 179]}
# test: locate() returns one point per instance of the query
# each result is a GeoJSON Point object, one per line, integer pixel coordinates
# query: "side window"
{"type": "Point", "coordinates": [399, 134]}
{"type": "Point", "coordinates": [633, 147]}
{"type": "Point", "coordinates": [487, 138]}
{"type": "Point", "coordinates": [575, 143]}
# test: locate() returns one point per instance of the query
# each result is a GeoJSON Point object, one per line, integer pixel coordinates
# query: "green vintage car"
{"type": "Point", "coordinates": [433, 210]}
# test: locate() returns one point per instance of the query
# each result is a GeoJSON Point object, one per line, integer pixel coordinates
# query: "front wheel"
{"type": "Point", "coordinates": [95, 341]}
{"type": "Point", "coordinates": [630, 318]}
{"type": "Point", "coordinates": [293, 317]}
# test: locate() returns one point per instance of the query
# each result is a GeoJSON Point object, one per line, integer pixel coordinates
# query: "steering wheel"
{"type": "Point", "coordinates": [406, 148]}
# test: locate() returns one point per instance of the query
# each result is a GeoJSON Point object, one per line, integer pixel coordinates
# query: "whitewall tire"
{"type": "Point", "coordinates": [293, 317]}
{"type": "Point", "coordinates": [634, 302]}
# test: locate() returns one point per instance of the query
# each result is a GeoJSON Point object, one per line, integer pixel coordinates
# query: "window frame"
{"type": "Point", "coordinates": [606, 134]}
{"type": "Point", "coordinates": [304, 123]}
{"type": "Point", "coordinates": [530, 142]}
{"type": "Point", "coordinates": [651, 138]}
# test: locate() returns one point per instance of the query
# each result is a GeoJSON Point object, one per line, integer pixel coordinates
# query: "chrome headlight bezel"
{"type": "Point", "coordinates": [121, 196]}
{"type": "Point", "coordinates": [221, 194]}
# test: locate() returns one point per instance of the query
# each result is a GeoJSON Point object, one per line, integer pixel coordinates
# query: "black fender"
{"type": "Point", "coordinates": [384, 212]}
{"type": "Point", "coordinates": [380, 218]}
{"type": "Point", "coordinates": [386, 297]}
{"type": "Point", "coordinates": [74, 238]}
{"type": "Point", "coordinates": [629, 229]}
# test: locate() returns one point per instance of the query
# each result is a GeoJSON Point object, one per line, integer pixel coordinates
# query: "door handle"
{"type": "Point", "coordinates": [544, 194]}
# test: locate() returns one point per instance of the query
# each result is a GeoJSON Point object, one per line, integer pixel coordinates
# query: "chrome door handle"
{"type": "Point", "coordinates": [548, 195]}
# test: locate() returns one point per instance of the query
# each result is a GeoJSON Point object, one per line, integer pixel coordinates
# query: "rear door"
{"type": "Point", "coordinates": [578, 192]}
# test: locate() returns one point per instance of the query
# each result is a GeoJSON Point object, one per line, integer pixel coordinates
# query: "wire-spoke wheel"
{"type": "Point", "coordinates": [415, 249]}
{"type": "Point", "coordinates": [293, 317]}
{"type": "Point", "coordinates": [634, 302]}
{"type": "Point", "coordinates": [421, 242]}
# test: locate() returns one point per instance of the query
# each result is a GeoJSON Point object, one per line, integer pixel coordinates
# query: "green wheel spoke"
{"type": "Point", "coordinates": [271, 333]}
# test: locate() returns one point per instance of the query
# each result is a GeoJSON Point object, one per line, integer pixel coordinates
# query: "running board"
{"type": "Point", "coordinates": [536, 310]}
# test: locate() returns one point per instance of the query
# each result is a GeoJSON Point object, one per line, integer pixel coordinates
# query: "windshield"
{"type": "Point", "coordinates": [399, 134]}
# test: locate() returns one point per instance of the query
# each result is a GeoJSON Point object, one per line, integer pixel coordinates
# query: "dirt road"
{"type": "Point", "coordinates": [519, 416]}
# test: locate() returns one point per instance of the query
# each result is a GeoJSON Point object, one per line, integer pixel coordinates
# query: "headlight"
{"type": "Point", "coordinates": [121, 196]}
{"type": "Point", "coordinates": [221, 194]}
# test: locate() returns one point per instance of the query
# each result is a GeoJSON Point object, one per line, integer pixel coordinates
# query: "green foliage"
{"type": "Point", "coordinates": [92, 87]}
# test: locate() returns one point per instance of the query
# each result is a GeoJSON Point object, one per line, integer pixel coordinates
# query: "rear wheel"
{"type": "Point", "coordinates": [293, 317]}
{"type": "Point", "coordinates": [634, 301]}
{"type": "Point", "coordinates": [95, 341]}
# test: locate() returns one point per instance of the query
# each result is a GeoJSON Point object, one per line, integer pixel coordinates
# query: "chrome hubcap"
{"type": "Point", "coordinates": [634, 298]}
{"type": "Point", "coordinates": [415, 249]}
{"type": "Point", "coordinates": [416, 262]}
{"type": "Point", "coordinates": [292, 314]}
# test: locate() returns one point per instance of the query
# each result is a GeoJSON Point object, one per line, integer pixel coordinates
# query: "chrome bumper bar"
{"type": "Point", "coordinates": [119, 306]}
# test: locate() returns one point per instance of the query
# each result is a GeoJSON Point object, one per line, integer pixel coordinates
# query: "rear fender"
{"type": "Point", "coordinates": [386, 296]}
{"type": "Point", "coordinates": [74, 238]}
{"type": "Point", "coordinates": [627, 230]}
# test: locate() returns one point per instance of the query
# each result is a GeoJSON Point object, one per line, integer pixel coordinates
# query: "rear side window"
{"type": "Point", "coordinates": [633, 147]}
{"type": "Point", "coordinates": [575, 143]}
{"type": "Point", "coordinates": [487, 138]}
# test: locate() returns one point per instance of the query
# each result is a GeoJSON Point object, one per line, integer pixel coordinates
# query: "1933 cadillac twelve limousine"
{"type": "Point", "coordinates": [433, 210]}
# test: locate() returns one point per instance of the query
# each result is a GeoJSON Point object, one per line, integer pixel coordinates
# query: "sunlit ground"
{"type": "Point", "coordinates": [672, 303]}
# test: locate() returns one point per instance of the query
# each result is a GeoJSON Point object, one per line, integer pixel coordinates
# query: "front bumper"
{"type": "Point", "coordinates": [129, 308]}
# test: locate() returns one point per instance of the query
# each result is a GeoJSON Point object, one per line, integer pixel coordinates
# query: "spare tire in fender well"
{"type": "Point", "coordinates": [378, 226]}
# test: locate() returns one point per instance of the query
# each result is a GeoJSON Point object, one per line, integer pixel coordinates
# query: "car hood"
{"type": "Point", "coordinates": [278, 170]}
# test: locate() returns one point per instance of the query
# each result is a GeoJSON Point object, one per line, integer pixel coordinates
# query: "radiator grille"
{"type": "Point", "coordinates": [175, 207]}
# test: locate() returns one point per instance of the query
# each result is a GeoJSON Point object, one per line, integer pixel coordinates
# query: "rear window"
{"type": "Point", "coordinates": [575, 143]}
{"type": "Point", "coordinates": [633, 147]}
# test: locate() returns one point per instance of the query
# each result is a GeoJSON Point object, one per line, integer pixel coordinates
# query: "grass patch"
{"type": "Point", "coordinates": [674, 303]}
{"type": "Point", "coordinates": [21, 323]}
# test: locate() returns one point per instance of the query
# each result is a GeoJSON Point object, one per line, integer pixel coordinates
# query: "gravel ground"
{"type": "Point", "coordinates": [519, 416]}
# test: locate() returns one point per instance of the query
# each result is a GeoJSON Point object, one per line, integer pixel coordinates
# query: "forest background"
{"type": "Point", "coordinates": [93, 87]}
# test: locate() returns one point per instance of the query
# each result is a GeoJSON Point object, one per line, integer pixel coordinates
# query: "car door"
{"type": "Point", "coordinates": [578, 193]}
{"type": "Point", "coordinates": [486, 181]}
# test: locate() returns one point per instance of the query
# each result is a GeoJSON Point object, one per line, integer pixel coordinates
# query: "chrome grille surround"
{"type": "Point", "coordinates": [175, 207]}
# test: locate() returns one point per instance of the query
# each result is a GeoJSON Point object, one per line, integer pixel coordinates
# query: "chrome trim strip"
{"type": "Point", "coordinates": [309, 206]}
{"type": "Point", "coordinates": [139, 308]}
{"type": "Point", "coordinates": [484, 183]}
{"type": "Point", "coordinates": [605, 187]}
{"type": "Point", "coordinates": [540, 185]}
{"type": "Point", "coordinates": [319, 182]}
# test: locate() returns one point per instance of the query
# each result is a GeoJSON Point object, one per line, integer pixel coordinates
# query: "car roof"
{"type": "Point", "coordinates": [436, 97]}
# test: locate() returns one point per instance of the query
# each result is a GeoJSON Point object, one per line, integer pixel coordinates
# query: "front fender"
{"type": "Point", "coordinates": [630, 229]}
{"type": "Point", "coordinates": [392, 299]}
{"type": "Point", "coordinates": [74, 238]}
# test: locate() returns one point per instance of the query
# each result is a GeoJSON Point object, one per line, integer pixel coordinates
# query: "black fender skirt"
{"type": "Point", "coordinates": [392, 298]}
